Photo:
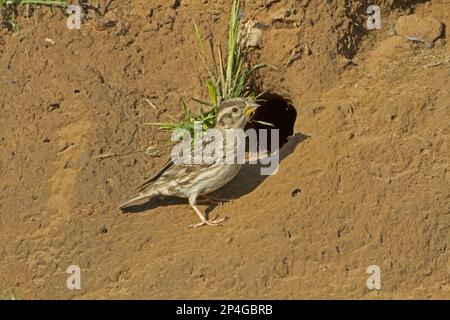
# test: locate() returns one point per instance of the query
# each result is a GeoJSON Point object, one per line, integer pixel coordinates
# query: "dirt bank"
{"type": "Point", "coordinates": [370, 186]}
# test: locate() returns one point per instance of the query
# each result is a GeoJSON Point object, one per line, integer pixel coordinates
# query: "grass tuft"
{"type": "Point", "coordinates": [224, 81]}
{"type": "Point", "coordinates": [4, 3]}
{"type": "Point", "coordinates": [8, 7]}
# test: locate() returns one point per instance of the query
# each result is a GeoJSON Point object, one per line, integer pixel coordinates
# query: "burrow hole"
{"type": "Point", "coordinates": [278, 111]}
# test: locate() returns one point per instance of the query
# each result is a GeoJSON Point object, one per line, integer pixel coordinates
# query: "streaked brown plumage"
{"type": "Point", "coordinates": [193, 180]}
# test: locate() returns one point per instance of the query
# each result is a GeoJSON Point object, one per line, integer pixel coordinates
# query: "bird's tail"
{"type": "Point", "coordinates": [136, 197]}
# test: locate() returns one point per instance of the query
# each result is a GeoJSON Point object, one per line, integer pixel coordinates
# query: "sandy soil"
{"type": "Point", "coordinates": [364, 182]}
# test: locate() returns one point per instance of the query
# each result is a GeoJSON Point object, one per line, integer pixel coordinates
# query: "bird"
{"type": "Point", "coordinates": [195, 180]}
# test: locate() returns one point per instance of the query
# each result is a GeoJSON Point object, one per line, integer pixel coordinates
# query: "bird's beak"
{"type": "Point", "coordinates": [250, 108]}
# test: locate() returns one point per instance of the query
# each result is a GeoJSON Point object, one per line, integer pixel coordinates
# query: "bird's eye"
{"type": "Point", "coordinates": [235, 110]}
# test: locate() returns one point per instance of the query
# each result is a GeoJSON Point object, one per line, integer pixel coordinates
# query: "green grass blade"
{"type": "Point", "coordinates": [233, 36]}
{"type": "Point", "coordinates": [203, 51]}
{"type": "Point", "coordinates": [212, 90]}
{"type": "Point", "coordinates": [208, 104]}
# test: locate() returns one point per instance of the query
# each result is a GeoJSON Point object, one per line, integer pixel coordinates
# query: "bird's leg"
{"type": "Point", "coordinates": [213, 222]}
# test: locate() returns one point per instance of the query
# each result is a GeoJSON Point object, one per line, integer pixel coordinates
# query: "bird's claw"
{"type": "Point", "coordinates": [213, 222]}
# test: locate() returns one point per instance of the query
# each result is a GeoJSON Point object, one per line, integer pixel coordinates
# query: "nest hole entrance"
{"type": "Point", "coordinates": [279, 112]}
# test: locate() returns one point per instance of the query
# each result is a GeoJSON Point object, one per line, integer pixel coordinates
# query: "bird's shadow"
{"type": "Point", "coordinates": [247, 180]}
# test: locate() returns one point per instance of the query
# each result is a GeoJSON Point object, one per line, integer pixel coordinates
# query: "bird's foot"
{"type": "Point", "coordinates": [214, 222]}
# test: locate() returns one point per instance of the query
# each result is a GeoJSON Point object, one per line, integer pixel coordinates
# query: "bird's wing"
{"type": "Point", "coordinates": [170, 164]}
{"type": "Point", "coordinates": [178, 168]}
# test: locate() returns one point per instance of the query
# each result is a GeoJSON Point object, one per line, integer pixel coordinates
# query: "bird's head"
{"type": "Point", "coordinates": [235, 113]}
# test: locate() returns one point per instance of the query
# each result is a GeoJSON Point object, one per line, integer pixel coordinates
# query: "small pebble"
{"type": "Point", "coordinates": [103, 229]}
